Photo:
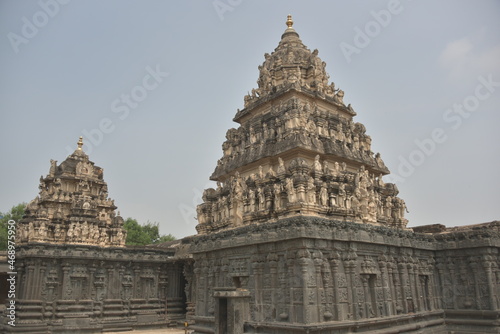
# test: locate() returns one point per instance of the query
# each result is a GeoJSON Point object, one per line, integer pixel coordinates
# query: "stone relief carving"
{"type": "Point", "coordinates": [72, 207]}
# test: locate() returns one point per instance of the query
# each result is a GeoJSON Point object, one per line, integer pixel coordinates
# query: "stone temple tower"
{"type": "Point", "coordinates": [72, 207]}
{"type": "Point", "coordinates": [298, 151]}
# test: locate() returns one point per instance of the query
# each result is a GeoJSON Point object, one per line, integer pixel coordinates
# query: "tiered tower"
{"type": "Point", "coordinates": [297, 151]}
{"type": "Point", "coordinates": [73, 207]}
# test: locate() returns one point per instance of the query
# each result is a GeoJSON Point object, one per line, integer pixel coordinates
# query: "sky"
{"type": "Point", "coordinates": [153, 86]}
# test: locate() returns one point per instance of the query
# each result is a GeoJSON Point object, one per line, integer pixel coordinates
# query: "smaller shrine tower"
{"type": "Point", "coordinates": [72, 207]}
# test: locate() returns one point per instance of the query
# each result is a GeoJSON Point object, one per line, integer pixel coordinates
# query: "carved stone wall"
{"type": "Point", "coordinates": [305, 270]}
{"type": "Point", "coordinates": [308, 188]}
{"type": "Point", "coordinates": [91, 289]}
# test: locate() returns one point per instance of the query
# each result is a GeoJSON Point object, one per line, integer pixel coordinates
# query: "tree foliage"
{"type": "Point", "coordinates": [147, 234]}
{"type": "Point", "coordinates": [15, 213]}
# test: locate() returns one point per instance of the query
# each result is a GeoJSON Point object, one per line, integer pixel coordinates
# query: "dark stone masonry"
{"type": "Point", "coordinates": [300, 235]}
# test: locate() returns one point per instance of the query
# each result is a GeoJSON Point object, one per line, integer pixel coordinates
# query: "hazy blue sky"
{"type": "Point", "coordinates": [411, 70]}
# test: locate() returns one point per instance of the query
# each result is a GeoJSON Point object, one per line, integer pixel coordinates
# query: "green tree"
{"type": "Point", "coordinates": [153, 231]}
{"type": "Point", "coordinates": [165, 238]}
{"type": "Point", "coordinates": [135, 234]}
{"type": "Point", "coordinates": [147, 234]}
{"type": "Point", "coordinates": [15, 213]}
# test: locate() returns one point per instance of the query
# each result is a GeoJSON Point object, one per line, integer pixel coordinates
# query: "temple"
{"type": "Point", "coordinates": [74, 272]}
{"type": "Point", "coordinates": [300, 234]}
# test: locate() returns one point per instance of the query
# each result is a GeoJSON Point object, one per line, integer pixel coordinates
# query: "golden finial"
{"type": "Point", "coordinates": [80, 143]}
{"type": "Point", "coordinates": [289, 21]}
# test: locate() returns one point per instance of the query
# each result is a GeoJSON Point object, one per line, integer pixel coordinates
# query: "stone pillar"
{"type": "Point", "coordinates": [291, 312]}
{"type": "Point", "coordinates": [273, 264]}
{"type": "Point", "coordinates": [434, 302]}
{"type": "Point", "coordinates": [30, 280]}
{"type": "Point", "coordinates": [421, 297]}
{"type": "Point", "coordinates": [487, 265]}
{"type": "Point", "coordinates": [257, 267]}
{"type": "Point", "coordinates": [303, 256]}
{"type": "Point", "coordinates": [335, 261]}
{"type": "Point", "coordinates": [451, 270]}
{"type": "Point", "coordinates": [91, 289]}
{"type": "Point", "coordinates": [350, 266]}
{"type": "Point", "coordinates": [40, 280]}
{"type": "Point", "coordinates": [366, 307]}
{"type": "Point", "coordinates": [383, 278]}
{"type": "Point", "coordinates": [424, 293]}
{"type": "Point", "coordinates": [392, 287]}
{"type": "Point", "coordinates": [403, 285]}
{"type": "Point", "coordinates": [465, 281]}
{"type": "Point", "coordinates": [204, 286]}
{"type": "Point", "coordinates": [475, 274]}
{"type": "Point", "coordinates": [112, 284]}
{"type": "Point", "coordinates": [301, 192]}
{"type": "Point", "coordinates": [66, 281]}
{"type": "Point", "coordinates": [172, 281]}
{"type": "Point", "coordinates": [318, 264]}
{"type": "Point", "coordinates": [210, 299]}
{"type": "Point", "coordinates": [327, 290]}
{"type": "Point", "coordinates": [197, 287]}
{"type": "Point", "coordinates": [190, 289]}
{"type": "Point", "coordinates": [441, 288]}
{"type": "Point", "coordinates": [217, 273]}
{"type": "Point", "coordinates": [281, 311]}
{"type": "Point", "coordinates": [20, 285]}
{"type": "Point", "coordinates": [413, 287]}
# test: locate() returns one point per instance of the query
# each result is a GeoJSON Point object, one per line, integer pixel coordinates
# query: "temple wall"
{"type": "Point", "coordinates": [317, 272]}
{"type": "Point", "coordinates": [467, 264]}
{"type": "Point", "coordinates": [62, 288]}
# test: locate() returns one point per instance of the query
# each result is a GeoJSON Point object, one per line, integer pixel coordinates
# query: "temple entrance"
{"type": "Point", "coordinates": [232, 310]}
{"type": "Point", "coordinates": [222, 319]}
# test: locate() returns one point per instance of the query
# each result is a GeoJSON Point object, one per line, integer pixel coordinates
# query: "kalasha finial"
{"type": "Point", "coordinates": [289, 21]}
{"type": "Point", "coordinates": [80, 143]}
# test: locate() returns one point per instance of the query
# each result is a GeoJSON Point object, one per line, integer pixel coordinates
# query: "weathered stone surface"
{"type": "Point", "coordinates": [298, 150]}
{"type": "Point", "coordinates": [73, 207]}
{"type": "Point", "coordinates": [63, 288]}
{"type": "Point", "coordinates": [331, 274]}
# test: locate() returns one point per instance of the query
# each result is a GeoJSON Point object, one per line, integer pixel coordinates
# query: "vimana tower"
{"type": "Point", "coordinates": [297, 152]}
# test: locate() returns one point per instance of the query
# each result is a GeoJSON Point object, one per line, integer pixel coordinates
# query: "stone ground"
{"type": "Point", "coordinates": [157, 331]}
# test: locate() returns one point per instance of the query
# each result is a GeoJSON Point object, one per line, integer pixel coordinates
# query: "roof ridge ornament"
{"type": "Point", "coordinates": [289, 21]}
{"type": "Point", "coordinates": [80, 143]}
